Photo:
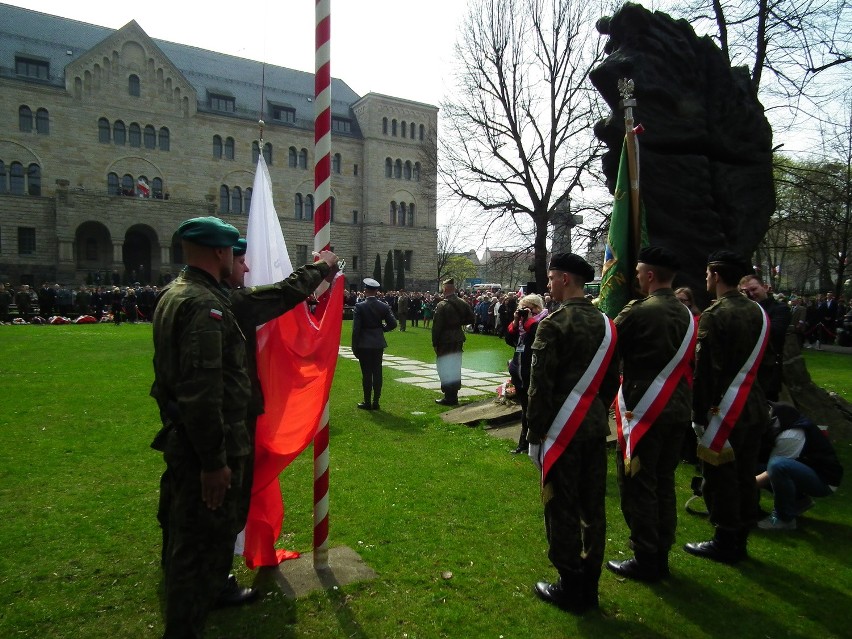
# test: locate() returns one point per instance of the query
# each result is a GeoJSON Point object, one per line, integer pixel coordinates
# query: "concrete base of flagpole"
{"type": "Point", "coordinates": [298, 577]}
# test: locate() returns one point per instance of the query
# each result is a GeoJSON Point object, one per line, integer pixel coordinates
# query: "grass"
{"type": "Point", "coordinates": [79, 543]}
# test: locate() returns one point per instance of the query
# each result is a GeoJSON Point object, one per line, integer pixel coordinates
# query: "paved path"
{"type": "Point", "coordinates": [424, 375]}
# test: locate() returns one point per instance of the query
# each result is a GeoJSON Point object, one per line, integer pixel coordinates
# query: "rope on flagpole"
{"type": "Point", "coordinates": [322, 241]}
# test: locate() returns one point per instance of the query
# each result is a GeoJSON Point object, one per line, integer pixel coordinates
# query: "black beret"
{"type": "Point", "coordinates": [209, 231]}
{"type": "Point", "coordinates": [659, 256]}
{"type": "Point", "coordinates": [724, 257]}
{"type": "Point", "coordinates": [572, 263]}
{"type": "Point", "coordinates": [240, 247]}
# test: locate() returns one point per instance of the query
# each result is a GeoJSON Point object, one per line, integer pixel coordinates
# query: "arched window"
{"type": "Point", "coordinates": [236, 200]}
{"type": "Point", "coordinates": [42, 122]}
{"type": "Point", "coordinates": [143, 187]}
{"type": "Point", "coordinates": [164, 139]}
{"type": "Point", "coordinates": [133, 85]}
{"type": "Point", "coordinates": [255, 152]}
{"type": "Point", "coordinates": [385, 126]}
{"type": "Point", "coordinates": [309, 207]}
{"type": "Point", "coordinates": [150, 137]}
{"type": "Point", "coordinates": [400, 218]}
{"type": "Point", "coordinates": [157, 188]}
{"type": "Point", "coordinates": [224, 199]}
{"type": "Point", "coordinates": [119, 133]}
{"type": "Point", "coordinates": [404, 128]}
{"type": "Point", "coordinates": [4, 187]}
{"type": "Point", "coordinates": [229, 148]}
{"type": "Point", "coordinates": [103, 131]}
{"type": "Point", "coordinates": [417, 171]}
{"type": "Point", "coordinates": [291, 157]}
{"type": "Point", "coordinates": [25, 119]}
{"type": "Point", "coordinates": [16, 178]}
{"type": "Point", "coordinates": [135, 135]}
{"type": "Point", "coordinates": [247, 199]}
{"type": "Point", "coordinates": [411, 214]}
{"type": "Point", "coordinates": [335, 163]}
{"type": "Point", "coordinates": [127, 184]}
{"type": "Point", "coordinates": [393, 213]}
{"type": "Point", "coordinates": [407, 171]}
{"type": "Point", "coordinates": [412, 130]}
{"type": "Point", "coordinates": [388, 167]}
{"type": "Point", "coordinates": [112, 184]}
{"type": "Point", "coordinates": [397, 169]}
{"type": "Point", "coordinates": [393, 128]}
{"type": "Point", "coordinates": [34, 179]}
{"type": "Point", "coordinates": [217, 147]}
{"type": "Point", "coordinates": [421, 132]}
{"type": "Point", "coordinates": [331, 209]}
{"type": "Point", "coordinates": [303, 159]}
{"type": "Point", "coordinates": [267, 153]}
{"type": "Point", "coordinates": [298, 208]}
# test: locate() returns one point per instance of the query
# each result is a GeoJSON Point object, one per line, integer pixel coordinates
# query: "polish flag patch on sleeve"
{"type": "Point", "coordinates": [216, 315]}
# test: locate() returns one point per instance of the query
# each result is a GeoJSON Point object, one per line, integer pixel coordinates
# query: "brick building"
{"type": "Point", "coordinates": [108, 139]}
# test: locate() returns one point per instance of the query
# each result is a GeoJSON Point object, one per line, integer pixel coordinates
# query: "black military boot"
{"type": "Point", "coordinates": [375, 401]}
{"type": "Point", "coordinates": [641, 567]}
{"type": "Point", "coordinates": [365, 405]}
{"type": "Point", "coordinates": [566, 594]}
{"type": "Point", "coordinates": [724, 547]}
{"type": "Point", "coordinates": [235, 595]}
{"type": "Point", "coordinates": [591, 578]}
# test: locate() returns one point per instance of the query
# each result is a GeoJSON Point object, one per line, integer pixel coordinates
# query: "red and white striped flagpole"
{"type": "Point", "coordinates": [322, 241]}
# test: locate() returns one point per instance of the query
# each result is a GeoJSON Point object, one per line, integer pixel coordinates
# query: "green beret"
{"type": "Point", "coordinates": [572, 263]}
{"type": "Point", "coordinates": [208, 231]}
{"type": "Point", "coordinates": [450, 282]}
{"type": "Point", "coordinates": [240, 247]}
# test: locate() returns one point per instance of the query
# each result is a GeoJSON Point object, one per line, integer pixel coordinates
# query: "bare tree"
{"type": "Point", "coordinates": [519, 136]}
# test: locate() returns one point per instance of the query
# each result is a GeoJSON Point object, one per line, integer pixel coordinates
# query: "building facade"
{"type": "Point", "coordinates": [109, 139]}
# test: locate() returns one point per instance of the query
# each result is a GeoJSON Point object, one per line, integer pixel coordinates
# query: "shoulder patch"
{"type": "Point", "coordinates": [216, 314]}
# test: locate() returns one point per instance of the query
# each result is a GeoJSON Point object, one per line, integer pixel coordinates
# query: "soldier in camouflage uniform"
{"type": "Point", "coordinates": [574, 491]}
{"type": "Point", "coordinates": [727, 334]}
{"type": "Point", "coordinates": [451, 316]}
{"type": "Point", "coordinates": [203, 391]}
{"type": "Point", "coordinates": [651, 333]}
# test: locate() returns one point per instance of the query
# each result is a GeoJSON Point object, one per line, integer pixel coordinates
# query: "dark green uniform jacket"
{"type": "Point", "coordinates": [451, 316]}
{"type": "Point", "coordinates": [650, 332]}
{"type": "Point", "coordinates": [200, 379]}
{"type": "Point", "coordinates": [565, 343]}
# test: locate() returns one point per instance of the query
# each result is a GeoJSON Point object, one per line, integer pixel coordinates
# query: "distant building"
{"type": "Point", "coordinates": [108, 139]}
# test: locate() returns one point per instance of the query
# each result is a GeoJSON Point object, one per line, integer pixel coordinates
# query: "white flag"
{"type": "Point", "coordinates": [266, 253]}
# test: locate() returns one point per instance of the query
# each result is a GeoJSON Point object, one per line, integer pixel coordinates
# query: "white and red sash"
{"type": "Point", "coordinates": [633, 424]}
{"type": "Point", "coordinates": [579, 400]}
{"type": "Point", "coordinates": [713, 446]}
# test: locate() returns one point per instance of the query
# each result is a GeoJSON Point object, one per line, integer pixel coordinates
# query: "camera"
{"type": "Point", "coordinates": [523, 313]}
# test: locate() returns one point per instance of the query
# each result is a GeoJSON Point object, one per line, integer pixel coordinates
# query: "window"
{"type": "Point", "coordinates": [25, 119]}
{"type": "Point", "coordinates": [229, 148]}
{"type": "Point", "coordinates": [417, 171]}
{"type": "Point", "coordinates": [42, 122]}
{"type": "Point", "coordinates": [343, 125]}
{"type": "Point", "coordinates": [407, 171]}
{"type": "Point", "coordinates": [331, 209]}
{"type": "Point", "coordinates": [298, 208]}
{"type": "Point", "coordinates": [397, 169]}
{"type": "Point", "coordinates": [421, 132]}
{"type": "Point", "coordinates": [355, 170]}
{"type": "Point", "coordinates": [354, 216]}
{"type": "Point", "coordinates": [150, 137]}
{"type": "Point", "coordinates": [412, 130]}
{"type": "Point", "coordinates": [236, 200]}
{"type": "Point", "coordinates": [403, 210]}
{"type": "Point", "coordinates": [224, 197]}
{"type": "Point", "coordinates": [411, 214]}
{"type": "Point", "coordinates": [29, 68]}
{"type": "Point", "coordinates": [133, 85]}
{"type": "Point", "coordinates": [385, 126]}
{"type": "Point", "coordinates": [393, 213]}
{"type": "Point", "coordinates": [404, 128]}
{"type": "Point", "coordinates": [164, 139]}
{"type": "Point", "coordinates": [291, 157]}
{"type": "Point", "coordinates": [309, 207]}
{"type": "Point", "coordinates": [388, 167]}
{"type": "Point", "coordinates": [112, 184]}
{"type": "Point", "coordinates": [393, 128]}
{"type": "Point", "coordinates": [135, 135]}
{"type": "Point", "coordinates": [409, 260]}
{"type": "Point", "coordinates": [119, 133]}
{"type": "Point", "coordinates": [284, 114]}
{"type": "Point", "coordinates": [34, 179]}
{"type": "Point", "coordinates": [247, 199]}
{"type": "Point", "coordinates": [157, 188]}
{"type": "Point", "coordinates": [335, 163]}
{"type": "Point", "coordinates": [354, 262]}
{"type": "Point", "coordinates": [267, 153]}
{"type": "Point", "coordinates": [223, 103]}
{"type": "Point", "coordinates": [26, 240]}
{"type": "Point", "coordinates": [301, 254]}
{"type": "Point", "coordinates": [255, 152]}
{"type": "Point", "coordinates": [91, 249]}
{"type": "Point", "coordinates": [3, 184]}
{"type": "Point", "coordinates": [16, 178]}
{"type": "Point", "coordinates": [303, 159]}
{"type": "Point", "coordinates": [103, 131]}
{"type": "Point", "coordinates": [127, 183]}
{"type": "Point", "coordinates": [217, 147]}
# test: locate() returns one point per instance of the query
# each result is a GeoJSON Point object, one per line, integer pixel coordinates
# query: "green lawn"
{"type": "Point", "coordinates": [79, 543]}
